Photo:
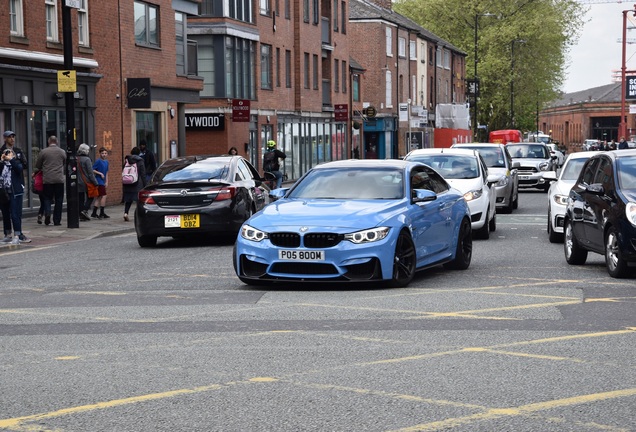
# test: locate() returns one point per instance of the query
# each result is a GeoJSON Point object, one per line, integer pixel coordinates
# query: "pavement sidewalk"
{"type": "Point", "coordinates": [43, 235]}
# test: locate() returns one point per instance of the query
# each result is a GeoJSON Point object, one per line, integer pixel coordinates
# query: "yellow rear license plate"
{"type": "Point", "coordinates": [182, 221]}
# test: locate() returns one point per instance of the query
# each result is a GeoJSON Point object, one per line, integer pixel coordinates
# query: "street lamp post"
{"type": "Point", "coordinates": [476, 125]}
{"type": "Point", "coordinates": [512, 81]}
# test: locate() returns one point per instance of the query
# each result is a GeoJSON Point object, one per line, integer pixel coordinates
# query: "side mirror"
{"type": "Point", "coordinates": [595, 189]}
{"type": "Point", "coordinates": [550, 175]}
{"type": "Point", "coordinates": [423, 195]}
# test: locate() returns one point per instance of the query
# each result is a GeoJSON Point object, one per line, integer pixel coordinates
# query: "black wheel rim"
{"type": "Point", "coordinates": [404, 262]}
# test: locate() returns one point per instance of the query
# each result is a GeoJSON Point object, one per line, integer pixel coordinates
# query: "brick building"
{"type": "Point", "coordinates": [112, 42]}
{"type": "Point", "coordinates": [593, 113]}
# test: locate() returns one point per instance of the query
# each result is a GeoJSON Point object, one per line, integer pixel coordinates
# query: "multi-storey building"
{"type": "Point", "coordinates": [286, 65]}
{"type": "Point", "coordinates": [412, 75]}
{"type": "Point", "coordinates": [297, 67]}
{"type": "Point", "coordinates": [133, 77]}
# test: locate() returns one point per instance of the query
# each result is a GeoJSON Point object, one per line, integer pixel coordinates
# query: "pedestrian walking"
{"type": "Point", "coordinates": [100, 169]}
{"type": "Point", "coordinates": [622, 145]}
{"type": "Point", "coordinates": [150, 161]}
{"type": "Point", "coordinates": [131, 190]}
{"type": "Point", "coordinates": [85, 175]}
{"type": "Point", "coordinates": [14, 163]}
{"type": "Point", "coordinates": [52, 162]}
{"type": "Point", "coordinates": [233, 151]}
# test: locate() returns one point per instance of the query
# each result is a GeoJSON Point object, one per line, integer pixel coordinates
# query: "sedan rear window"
{"type": "Point", "coordinates": [194, 171]}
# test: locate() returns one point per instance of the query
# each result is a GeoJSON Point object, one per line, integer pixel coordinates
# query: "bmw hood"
{"type": "Point", "coordinates": [329, 214]}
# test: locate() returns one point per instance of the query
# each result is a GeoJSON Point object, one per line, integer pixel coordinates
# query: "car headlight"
{"type": "Point", "coordinates": [503, 181]}
{"type": "Point", "coordinates": [630, 212]}
{"type": "Point", "coordinates": [368, 236]}
{"type": "Point", "coordinates": [473, 194]}
{"type": "Point", "coordinates": [560, 199]}
{"type": "Point", "coordinates": [544, 166]}
{"type": "Point", "coordinates": [253, 234]}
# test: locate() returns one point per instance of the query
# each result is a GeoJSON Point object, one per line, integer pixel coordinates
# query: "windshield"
{"type": "Point", "coordinates": [450, 166]}
{"type": "Point", "coordinates": [572, 169]}
{"type": "Point", "coordinates": [627, 172]}
{"type": "Point", "coordinates": [351, 184]}
{"type": "Point", "coordinates": [528, 151]}
{"type": "Point", "coordinates": [193, 170]}
{"type": "Point", "coordinates": [494, 157]}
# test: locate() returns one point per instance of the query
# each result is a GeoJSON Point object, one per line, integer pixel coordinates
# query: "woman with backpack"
{"type": "Point", "coordinates": [133, 179]}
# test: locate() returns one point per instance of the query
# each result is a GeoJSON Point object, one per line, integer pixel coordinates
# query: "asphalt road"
{"type": "Point", "coordinates": [101, 335]}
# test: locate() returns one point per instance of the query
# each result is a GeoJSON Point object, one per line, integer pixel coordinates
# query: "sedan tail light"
{"type": "Point", "coordinates": [225, 193]}
{"type": "Point", "coordinates": [145, 197]}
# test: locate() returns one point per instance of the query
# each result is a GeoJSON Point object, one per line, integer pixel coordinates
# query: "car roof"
{"type": "Point", "coordinates": [582, 154]}
{"type": "Point", "coordinates": [449, 151]}
{"type": "Point", "coordinates": [367, 163]}
{"type": "Point", "coordinates": [485, 145]}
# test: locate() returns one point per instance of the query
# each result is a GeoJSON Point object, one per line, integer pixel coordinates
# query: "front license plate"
{"type": "Point", "coordinates": [293, 255]}
{"type": "Point", "coordinates": [524, 177]}
{"type": "Point", "coordinates": [182, 221]}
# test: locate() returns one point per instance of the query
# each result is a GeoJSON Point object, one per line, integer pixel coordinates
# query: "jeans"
{"type": "Point", "coordinates": [279, 178]}
{"type": "Point", "coordinates": [54, 193]}
{"type": "Point", "coordinates": [12, 214]}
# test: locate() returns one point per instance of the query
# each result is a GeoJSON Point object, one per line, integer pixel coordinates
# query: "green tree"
{"type": "Point", "coordinates": [544, 31]}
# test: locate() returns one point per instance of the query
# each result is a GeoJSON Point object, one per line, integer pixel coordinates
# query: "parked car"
{"type": "Point", "coordinates": [591, 145]}
{"type": "Point", "coordinates": [555, 151]}
{"type": "Point", "coordinates": [601, 212]}
{"type": "Point", "coordinates": [559, 191]}
{"type": "Point", "coordinates": [499, 162]}
{"type": "Point", "coordinates": [197, 195]}
{"type": "Point", "coordinates": [465, 170]}
{"type": "Point", "coordinates": [534, 159]}
{"type": "Point", "coordinates": [356, 221]}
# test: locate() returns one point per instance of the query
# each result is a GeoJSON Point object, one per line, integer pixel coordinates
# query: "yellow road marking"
{"type": "Point", "coordinates": [522, 410]}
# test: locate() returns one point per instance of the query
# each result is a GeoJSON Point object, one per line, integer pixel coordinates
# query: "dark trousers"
{"type": "Point", "coordinates": [12, 214]}
{"type": "Point", "coordinates": [54, 194]}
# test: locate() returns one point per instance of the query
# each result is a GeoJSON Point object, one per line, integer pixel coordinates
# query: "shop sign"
{"type": "Point", "coordinates": [630, 87]}
{"type": "Point", "coordinates": [138, 92]}
{"type": "Point", "coordinates": [211, 122]}
{"type": "Point", "coordinates": [240, 110]}
{"type": "Point", "coordinates": [341, 112]}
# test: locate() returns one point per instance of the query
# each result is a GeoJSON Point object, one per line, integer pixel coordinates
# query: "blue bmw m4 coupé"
{"type": "Point", "coordinates": [356, 221]}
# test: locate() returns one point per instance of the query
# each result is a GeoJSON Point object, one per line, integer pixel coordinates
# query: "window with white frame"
{"type": "Point", "coordinates": [412, 50]}
{"type": "Point", "coordinates": [447, 57]}
{"type": "Point", "coordinates": [389, 42]}
{"type": "Point", "coordinates": [423, 53]}
{"type": "Point", "coordinates": [266, 66]}
{"type": "Point", "coordinates": [82, 24]}
{"type": "Point", "coordinates": [438, 57]}
{"type": "Point", "coordinates": [51, 20]}
{"type": "Point", "coordinates": [401, 47]}
{"type": "Point", "coordinates": [146, 24]}
{"type": "Point", "coordinates": [265, 7]}
{"type": "Point", "coordinates": [389, 89]}
{"type": "Point", "coordinates": [181, 45]}
{"type": "Point", "coordinates": [16, 18]}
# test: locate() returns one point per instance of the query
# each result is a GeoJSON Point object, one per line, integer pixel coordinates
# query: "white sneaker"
{"type": "Point", "coordinates": [16, 240]}
{"type": "Point", "coordinates": [7, 238]}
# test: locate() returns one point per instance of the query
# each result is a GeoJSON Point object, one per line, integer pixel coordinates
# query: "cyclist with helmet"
{"type": "Point", "coordinates": [271, 161]}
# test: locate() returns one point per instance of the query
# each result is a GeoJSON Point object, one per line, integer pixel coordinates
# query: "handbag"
{"type": "Point", "coordinates": [91, 190]}
{"type": "Point", "coordinates": [37, 183]}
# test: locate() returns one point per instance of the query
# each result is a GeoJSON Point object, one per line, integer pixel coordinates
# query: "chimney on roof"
{"type": "Point", "coordinates": [386, 4]}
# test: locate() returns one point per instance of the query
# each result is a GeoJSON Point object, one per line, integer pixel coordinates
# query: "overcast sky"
{"type": "Point", "coordinates": [592, 60]}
